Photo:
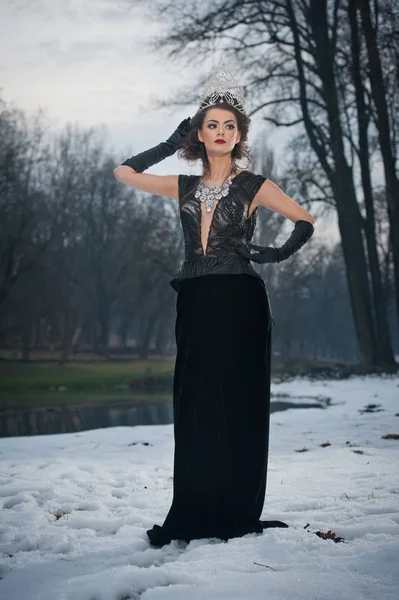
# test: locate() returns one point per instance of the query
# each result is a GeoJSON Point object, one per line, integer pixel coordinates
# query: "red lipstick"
{"type": "Point", "coordinates": [220, 141]}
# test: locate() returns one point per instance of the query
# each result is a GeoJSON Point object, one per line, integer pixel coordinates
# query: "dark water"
{"type": "Point", "coordinates": [73, 418]}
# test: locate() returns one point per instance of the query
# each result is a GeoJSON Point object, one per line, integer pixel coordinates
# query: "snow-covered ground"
{"type": "Point", "coordinates": [75, 509]}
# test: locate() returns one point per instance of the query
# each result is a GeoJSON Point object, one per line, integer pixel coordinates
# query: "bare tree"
{"type": "Point", "coordinates": [385, 133]}
{"type": "Point", "coordinates": [113, 252]}
{"type": "Point", "coordinates": [289, 51]}
{"type": "Point", "coordinates": [24, 208]}
{"type": "Point", "coordinates": [363, 151]}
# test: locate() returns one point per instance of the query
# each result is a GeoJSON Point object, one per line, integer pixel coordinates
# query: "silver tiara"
{"type": "Point", "coordinates": [222, 87]}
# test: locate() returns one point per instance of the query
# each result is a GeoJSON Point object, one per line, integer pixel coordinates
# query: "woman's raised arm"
{"type": "Point", "coordinates": [131, 170]}
{"type": "Point", "coordinates": [160, 185]}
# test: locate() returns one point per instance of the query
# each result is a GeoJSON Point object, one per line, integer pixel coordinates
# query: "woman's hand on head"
{"type": "Point", "coordinates": [177, 138]}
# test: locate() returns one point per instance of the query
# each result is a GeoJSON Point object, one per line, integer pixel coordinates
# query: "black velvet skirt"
{"type": "Point", "coordinates": [221, 405]}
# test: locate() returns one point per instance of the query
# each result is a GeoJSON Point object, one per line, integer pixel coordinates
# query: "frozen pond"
{"type": "Point", "coordinates": [82, 417]}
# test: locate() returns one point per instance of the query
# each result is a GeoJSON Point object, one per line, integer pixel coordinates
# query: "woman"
{"type": "Point", "coordinates": [221, 389]}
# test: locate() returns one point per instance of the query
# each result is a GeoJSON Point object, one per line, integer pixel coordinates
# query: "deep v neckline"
{"type": "Point", "coordinates": [203, 211]}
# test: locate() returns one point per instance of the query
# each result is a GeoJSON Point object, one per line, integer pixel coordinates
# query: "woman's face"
{"type": "Point", "coordinates": [219, 124]}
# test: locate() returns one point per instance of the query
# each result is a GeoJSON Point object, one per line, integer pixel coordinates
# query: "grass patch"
{"type": "Point", "coordinates": [16, 376]}
{"type": "Point", "coordinates": [52, 399]}
{"type": "Point", "coordinates": [47, 383]}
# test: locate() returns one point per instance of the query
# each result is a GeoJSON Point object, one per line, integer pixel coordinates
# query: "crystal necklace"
{"type": "Point", "coordinates": [210, 193]}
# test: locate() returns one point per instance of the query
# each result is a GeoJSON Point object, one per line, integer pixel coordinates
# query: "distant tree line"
{"type": "Point", "coordinates": [328, 70]}
{"type": "Point", "coordinates": [83, 257]}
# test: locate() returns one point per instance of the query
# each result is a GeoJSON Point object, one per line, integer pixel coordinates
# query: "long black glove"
{"type": "Point", "coordinates": [154, 155]}
{"type": "Point", "coordinates": [302, 232]}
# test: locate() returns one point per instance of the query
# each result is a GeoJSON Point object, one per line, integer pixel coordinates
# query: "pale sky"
{"type": "Point", "coordinates": [91, 62]}
{"type": "Point", "coordinates": [87, 62]}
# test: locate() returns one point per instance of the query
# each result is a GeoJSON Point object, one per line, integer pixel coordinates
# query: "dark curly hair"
{"type": "Point", "coordinates": [192, 149]}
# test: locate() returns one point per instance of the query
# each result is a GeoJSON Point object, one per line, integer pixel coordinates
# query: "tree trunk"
{"type": "Point", "coordinates": [68, 337]}
{"type": "Point", "coordinates": [385, 353]}
{"type": "Point", "coordinates": [379, 97]}
{"type": "Point", "coordinates": [349, 218]}
{"type": "Point", "coordinates": [145, 344]}
{"type": "Point", "coordinates": [124, 332]}
{"type": "Point", "coordinates": [104, 317]}
{"type": "Point", "coordinates": [26, 337]}
{"type": "Point", "coordinates": [104, 334]}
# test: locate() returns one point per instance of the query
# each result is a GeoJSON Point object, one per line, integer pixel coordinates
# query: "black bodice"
{"type": "Point", "coordinates": [232, 222]}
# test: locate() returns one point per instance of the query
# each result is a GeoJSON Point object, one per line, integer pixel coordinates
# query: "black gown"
{"type": "Point", "coordinates": [221, 388]}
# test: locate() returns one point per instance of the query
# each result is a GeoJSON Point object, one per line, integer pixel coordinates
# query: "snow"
{"type": "Point", "coordinates": [76, 508]}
